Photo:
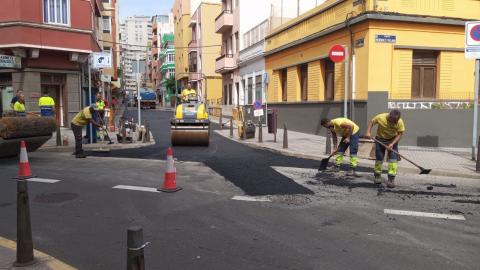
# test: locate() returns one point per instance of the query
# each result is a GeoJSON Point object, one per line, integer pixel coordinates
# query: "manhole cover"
{"type": "Point", "coordinates": [55, 197]}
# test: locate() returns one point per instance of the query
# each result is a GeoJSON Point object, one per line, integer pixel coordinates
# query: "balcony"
{"type": "Point", "coordinates": [225, 63]}
{"type": "Point", "coordinates": [224, 22]}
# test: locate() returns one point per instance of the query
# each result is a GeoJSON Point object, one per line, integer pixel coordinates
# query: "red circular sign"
{"type": "Point", "coordinates": [337, 53]}
{"type": "Point", "coordinates": [475, 33]}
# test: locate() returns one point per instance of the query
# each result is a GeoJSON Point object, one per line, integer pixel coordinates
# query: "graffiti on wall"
{"type": "Point", "coordinates": [430, 105]}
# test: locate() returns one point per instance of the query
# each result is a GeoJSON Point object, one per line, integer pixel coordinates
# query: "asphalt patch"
{"type": "Point", "coordinates": [59, 197]}
{"type": "Point", "coordinates": [467, 201]}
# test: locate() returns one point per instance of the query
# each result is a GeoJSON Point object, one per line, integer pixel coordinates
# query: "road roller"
{"type": "Point", "coordinates": [190, 125]}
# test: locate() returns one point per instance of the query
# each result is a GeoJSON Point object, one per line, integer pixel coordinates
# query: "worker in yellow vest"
{"type": "Point", "coordinates": [47, 105]}
{"type": "Point", "coordinates": [100, 103]}
{"type": "Point", "coordinates": [83, 118]}
{"type": "Point", "coordinates": [19, 106]}
{"type": "Point", "coordinates": [188, 92]}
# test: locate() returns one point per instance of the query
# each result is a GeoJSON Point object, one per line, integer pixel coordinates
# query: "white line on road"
{"type": "Point", "coordinates": [43, 180]}
{"type": "Point", "coordinates": [137, 188]}
{"type": "Point", "coordinates": [251, 198]}
{"type": "Point", "coordinates": [422, 214]}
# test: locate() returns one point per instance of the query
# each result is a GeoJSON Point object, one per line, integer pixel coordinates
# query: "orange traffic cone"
{"type": "Point", "coordinates": [24, 171]}
{"type": "Point", "coordinates": [170, 179]}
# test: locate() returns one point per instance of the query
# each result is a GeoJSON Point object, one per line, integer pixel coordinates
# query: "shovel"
{"type": "Point", "coordinates": [324, 162]}
{"type": "Point", "coordinates": [422, 170]}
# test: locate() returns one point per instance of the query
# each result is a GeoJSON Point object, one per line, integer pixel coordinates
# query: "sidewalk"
{"type": "Point", "coordinates": [43, 261]}
{"type": "Point", "coordinates": [453, 162]}
{"type": "Point", "coordinates": [51, 145]}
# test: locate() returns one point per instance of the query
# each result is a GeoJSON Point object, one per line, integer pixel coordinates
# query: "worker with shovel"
{"type": "Point", "coordinates": [348, 130]}
{"type": "Point", "coordinates": [389, 133]}
{"type": "Point", "coordinates": [83, 118]}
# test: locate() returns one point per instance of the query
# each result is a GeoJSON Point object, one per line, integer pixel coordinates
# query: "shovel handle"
{"type": "Point", "coordinates": [396, 152]}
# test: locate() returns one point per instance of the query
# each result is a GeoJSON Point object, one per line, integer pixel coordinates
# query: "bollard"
{"type": "Point", "coordinates": [244, 131]}
{"type": "Point", "coordinates": [231, 127]}
{"type": "Point", "coordinates": [285, 136]}
{"type": "Point", "coordinates": [147, 131]}
{"type": "Point", "coordinates": [260, 132]}
{"type": "Point", "coordinates": [135, 249]}
{"type": "Point", "coordinates": [478, 156]}
{"type": "Point", "coordinates": [328, 142]}
{"type": "Point", "coordinates": [59, 136]}
{"type": "Point", "coordinates": [24, 227]}
{"type": "Point", "coordinates": [221, 120]}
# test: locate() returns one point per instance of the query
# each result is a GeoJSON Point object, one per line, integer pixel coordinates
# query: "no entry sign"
{"type": "Point", "coordinates": [337, 53]}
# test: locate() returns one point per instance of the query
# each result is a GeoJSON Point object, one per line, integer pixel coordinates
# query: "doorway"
{"type": "Point", "coordinates": [56, 92]}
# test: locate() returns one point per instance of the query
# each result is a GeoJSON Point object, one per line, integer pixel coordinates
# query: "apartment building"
{"type": "Point", "coordinates": [161, 25]}
{"type": "Point", "coordinates": [203, 49]}
{"type": "Point", "coordinates": [135, 35]}
{"type": "Point", "coordinates": [44, 46]}
{"type": "Point", "coordinates": [109, 42]}
{"type": "Point", "coordinates": [182, 36]}
{"type": "Point", "coordinates": [167, 67]}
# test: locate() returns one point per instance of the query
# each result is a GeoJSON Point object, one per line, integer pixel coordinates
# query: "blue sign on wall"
{"type": "Point", "coordinates": [386, 38]}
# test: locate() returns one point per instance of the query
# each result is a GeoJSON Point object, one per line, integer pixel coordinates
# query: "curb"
{"type": "Point", "coordinates": [43, 259]}
{"type": "Point", "coordinates": [407, 170]}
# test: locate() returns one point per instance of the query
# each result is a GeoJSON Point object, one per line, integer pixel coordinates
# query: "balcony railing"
{"type": "Point", "coordinates": [225, 63]}
{"type": "Point", "coordinates": [224, 21]}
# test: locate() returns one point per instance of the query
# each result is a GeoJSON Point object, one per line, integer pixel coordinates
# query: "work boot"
{"type": "Point", "coordinates": [377, 178]}
{"type": "Point", "coordinates": [81, 155]}
{"type": "Point", "coordinates": [353, 172]}
{"type": "Point", "coordinates": [391, 181]}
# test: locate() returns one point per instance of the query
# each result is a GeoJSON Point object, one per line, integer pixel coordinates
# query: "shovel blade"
{"type": "Point", "coordinates": [323, 164]}
{"type": "Point", "coordinates": [425, 171]}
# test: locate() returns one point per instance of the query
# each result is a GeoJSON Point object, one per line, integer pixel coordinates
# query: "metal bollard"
{"type": "Point", "coordinates": [260, 132]}
{"type": "Point", "coordinates": [285, 136]}
{"type": "Point", "coordinates": [231, 127]}
{"type": "Point", "coordinates": [59, 136]}
{"type": "Point", "coordinates": [24, 227]}
{"type": "Point", "coordinates": [147, 131]}
{"type": "Point", "coordinates": [328, 143]}
{"type": "Point", "coordinates": [221, 120]}
{"type": "Point", "coordinates": [135, 248]}
{"type": "Point", "coordinates": [478, 156]}
{"type": "Point", "coordinates": [244, 132]}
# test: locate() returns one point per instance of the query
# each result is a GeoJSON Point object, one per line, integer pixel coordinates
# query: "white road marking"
{"type": "Point", "coordinates": [251, 198]}
{"type": "Point", "coordinates": [422, 214]}
{"type": "Point", "coordinates": [137, 188]}
{"type": "Point", "coordinates": [43, 180]}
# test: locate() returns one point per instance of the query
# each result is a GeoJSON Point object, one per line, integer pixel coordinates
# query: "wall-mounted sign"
{"type": "Point", "coordinates": [385, 38]}
{"type": "Point", "coordinates": [102, 60]}
{"type": "Point", "coordinates": [8, 61]}
{"type": "Point", "coordinates": [472, 40]}
{"type": "Point", "coordinates": [359, 43]}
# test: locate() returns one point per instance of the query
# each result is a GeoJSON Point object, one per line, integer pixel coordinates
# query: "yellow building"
{"type": "Point", "coordinates": [110, 43]}
{"type": "Point", "coordinates": [407, 55]}
{"type": "Point", "coordinates": [183, 33]}
{"type": "Point", "coordinates": [203, 50]}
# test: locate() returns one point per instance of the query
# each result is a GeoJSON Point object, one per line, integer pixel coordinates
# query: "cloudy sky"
{"type": "Point", "coordinates": [144, 7]}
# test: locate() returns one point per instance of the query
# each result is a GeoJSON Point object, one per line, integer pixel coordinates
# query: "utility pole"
{"type": "Point", "coordinates": [90, 94]}
{"type": "Point", "coordinates": [475, 108]}
{"type": "Point", "coordinates": [138, 92]}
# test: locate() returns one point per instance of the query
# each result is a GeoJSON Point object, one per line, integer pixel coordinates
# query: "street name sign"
{"type": "Point", "coordinates": [9, 61]}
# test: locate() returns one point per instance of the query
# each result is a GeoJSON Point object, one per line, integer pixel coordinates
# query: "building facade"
{"type": "Point", "coordinates": [183, 33]}
{"type": "Point", "coordinates": [412, 51]}
{"type": "Point", "coordinates": [167, 67]}
{"type": "Point", "coordinates": [203, 50]}
{"type": "Point", "coordinates": [44, 46]}
{"type": "Point", "coordinates": [110, 44]}
{"type": "Point", "coordinates": [135, 36]}
{"type": "Point", "coordinates": [161, 25]}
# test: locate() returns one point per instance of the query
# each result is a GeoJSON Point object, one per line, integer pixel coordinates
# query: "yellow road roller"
{"type": "Point", "coordinates": [190, 125]}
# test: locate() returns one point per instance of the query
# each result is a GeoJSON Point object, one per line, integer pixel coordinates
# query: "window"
{"type": "Point", "coordinates": [329, 79]}
{"type": "Point", "coordinates": [107, 49]}
{"type": "Point", "coordinates": [237, 42]}
{"type": "Point", "coordinates": [106, 1]}
{"type": "Point", "coordinates": [230, 94]}
{"type": "Point", "coordinates": [303, 69]}
{"type": "Point", "coordinates": [424, 74]}
{"type": "Point", "coordinates": [107, 24]}
{"type": "Point", "coordinates": [283, 78]}
{"type": "Point", "coordinates": [192, 60]}
{"type": "Point", "coordinates": [258, 88]}
{"type": "Point", "coordinates": [225, 94]}
{"type": "Point", "coordinates": [56, 11]}
{"type": "Point", "coordinates": [250, 91]}
{"type": "Point", "coordinates": [194, 33]}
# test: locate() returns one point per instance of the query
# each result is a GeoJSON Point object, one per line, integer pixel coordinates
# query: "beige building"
{"type": "Point", "coordinates": [183, 34]}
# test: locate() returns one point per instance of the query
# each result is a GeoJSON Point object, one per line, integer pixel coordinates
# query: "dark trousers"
{"type": "Point", "coordinates": [380, 150]}
{"type": "Point", "coordinates": [77, 133]}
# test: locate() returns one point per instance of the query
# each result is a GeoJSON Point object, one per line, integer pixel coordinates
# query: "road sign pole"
{"type": "Point", "coordinates": [345, 92]}
{"type": "Point", "coordinates": [475, 108]}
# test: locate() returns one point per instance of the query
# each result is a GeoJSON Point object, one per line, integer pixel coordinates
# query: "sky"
{"type": "Point", "coordinates": [144, 7]}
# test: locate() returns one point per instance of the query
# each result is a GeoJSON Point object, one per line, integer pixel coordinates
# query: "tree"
{"type": "Point", "coordinates": [170, 85]}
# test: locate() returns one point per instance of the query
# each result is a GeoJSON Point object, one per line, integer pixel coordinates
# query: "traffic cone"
{"type": "Point", "coordinates": [170, 179]}
{"type": "Point", "coordinates": [24, 171]}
